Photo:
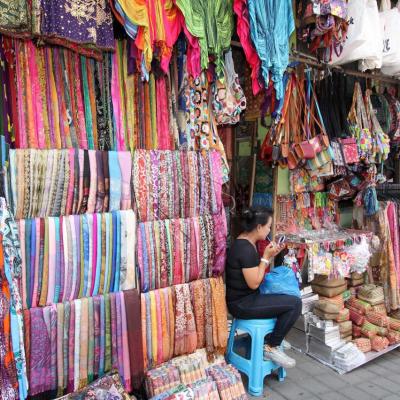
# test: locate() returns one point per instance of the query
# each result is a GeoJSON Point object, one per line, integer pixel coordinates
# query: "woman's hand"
{"type": "Point", "coordinates": [272, 250]}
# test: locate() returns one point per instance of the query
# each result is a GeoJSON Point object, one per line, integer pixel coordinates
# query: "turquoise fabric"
{"type": "Point", "coordinates": [271, 24]}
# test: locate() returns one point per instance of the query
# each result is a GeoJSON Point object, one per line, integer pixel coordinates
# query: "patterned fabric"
{"type": "Point", "coordinates": [185, 328]}
{"type": "Point", "coordinates": [77, 256]}
{"type": "Point", "coordinates": [46, 354]}
{"type": "Point", "coordinates": [13, 274]}
{"type": "Point", "coordinates": [43, 182]}
{"type": "Point", "coordinates": [105, 388]}
{"type": "Point", "coordinates": [173, 310]}
{"type": "Point", "coordinates": [212, 23]}
{"type": "Point", "coordinates": [229, 382]}
{"type": "Point", "coordinates": [15, 18]}
{"type": "Point", "coordinates": [179, 184]}
{"type": "Point", "coordinates": [178, 251]}
{"type": "Point", "coordinates": [185, 371]}
{"type": "Point", "coordinates": [8, 372]}
{"type": "Point", "coordinates": [85, 26]}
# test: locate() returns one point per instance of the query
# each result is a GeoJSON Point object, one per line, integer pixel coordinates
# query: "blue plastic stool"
{"type": "Point", "coordinates": [256, 368]}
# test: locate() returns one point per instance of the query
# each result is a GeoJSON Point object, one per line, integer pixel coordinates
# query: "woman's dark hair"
{"type": "Point", "coordinates": [254, 216]}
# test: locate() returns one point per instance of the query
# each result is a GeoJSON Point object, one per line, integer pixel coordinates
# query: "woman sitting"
{"type": "Point", "coordinates": [245, 272]}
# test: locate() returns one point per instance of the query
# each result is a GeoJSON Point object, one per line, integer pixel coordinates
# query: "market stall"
{"type": "Point", "coordinates": [131, 136]}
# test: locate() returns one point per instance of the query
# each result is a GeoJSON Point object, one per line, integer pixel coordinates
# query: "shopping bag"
{"type": "Point", "coordinates": [281, 280]}
{"type": "Point", "coordinates": [363, 43]}
{"type": "Point", "coordinates": [390, 18]}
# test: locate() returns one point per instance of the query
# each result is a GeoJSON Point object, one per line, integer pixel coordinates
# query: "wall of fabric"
{"type": "Point", "coordinates": [64, 182]}
{"type": "Point", "coordinates": [66, 258]}
{"type": "Point", "coordinates": [99, 138]}
{"type": "Point", "coordinates": [78, 341]}
{"type": "Point", "coordinates": [13, 376]}
{"type": "Point", "coordinates": [181, 184]}
{"type": "Point", "coordinates": [178, 320]}
{"type": "Point", "coordinates": [176, 251]}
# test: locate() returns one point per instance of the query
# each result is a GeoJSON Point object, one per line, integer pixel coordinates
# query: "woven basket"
{"type": "Point", "coordinates": [377, 319]}
{"type": "Point", "coordinates": [380, 309]}
{"type": "Point", "coordinates": [356, 331]}
{"type": "Point", "coordinates": [356, 318]}
{"type": "Point", "coordinates": [328, 287]}
{"type": "Point", "coordinates": [360, 305]}
{"type": "Point", "coordinates": [325, 315]}
{"type": "Point", "coordinates": [338, 300]}
{"type": "Point", "coordinates": [393, 337]}
{"type": "Point", "coordinates": [363, 344]}
{"type": "Point", "coordinates": [345, 326]}
{"type": "Point", "coordinates": [373, 294]}
{"type": "Point", "coordinates": [394, 324]}
{"type": "Point", "coordinates": [344, 315]}
{"type": "Point", "coordinates": [327, 306]}
{"type": "Point", "coordinates": [379, 343]}
{"type": "Point", "coordinates": [369, 330]}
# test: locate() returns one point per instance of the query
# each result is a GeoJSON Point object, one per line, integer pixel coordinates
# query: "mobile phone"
{"type": "Point", "coordinates": [281, 240]}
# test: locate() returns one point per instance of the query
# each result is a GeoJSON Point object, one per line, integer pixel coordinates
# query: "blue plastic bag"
{"type": "Point", "coordinates": [281, 280]}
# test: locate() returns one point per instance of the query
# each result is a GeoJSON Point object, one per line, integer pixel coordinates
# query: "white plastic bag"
{"type": "Point", "coordinates": [390, 18]}
{"type": "Point", "coordinates": [364, 37]}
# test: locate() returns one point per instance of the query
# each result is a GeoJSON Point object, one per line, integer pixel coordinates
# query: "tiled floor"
{"type": "Point", "coordinates": [310, 380]}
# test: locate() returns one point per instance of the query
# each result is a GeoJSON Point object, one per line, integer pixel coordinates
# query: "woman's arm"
{"type": "Point", "coordinates": [254, 276]}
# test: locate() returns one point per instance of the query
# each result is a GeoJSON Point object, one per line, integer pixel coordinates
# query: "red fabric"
{"type": "Point", "coordinates": [243, 31]}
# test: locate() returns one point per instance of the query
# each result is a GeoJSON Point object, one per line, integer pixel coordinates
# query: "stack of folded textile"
{"type": "Point", "coordinates": [348, 356]}
{"type": "Point", "coordinates": [193, 377]}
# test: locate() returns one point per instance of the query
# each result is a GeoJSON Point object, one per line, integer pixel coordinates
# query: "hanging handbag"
{"type": "Point", "coordinates": [350, 150]}
{"type": "Point", "coordinates": [228, 97]}
{"type": "Point", "coordinates": [381, 140]}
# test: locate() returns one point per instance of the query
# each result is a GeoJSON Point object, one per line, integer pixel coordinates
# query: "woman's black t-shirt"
{"type": "Point", "coordinates": [242, 254]}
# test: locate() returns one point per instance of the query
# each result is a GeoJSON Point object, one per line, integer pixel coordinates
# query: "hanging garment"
{"type": "Point", "coordinates": [179, 184]}
{"type": "Point", "coordinates": [86, 26]}
{"type": "Point", "coordinates": [243, 30]}
{"type": "Point", "coordinates": [15, 18]}
{"type": "Point", "coordinates": [178, 251]}
{"type": "Point", "coordinates": [77, 256]}
{"type": "Point", "coordinates": [13, 274]}
{"type": "Point", "coordinates": [271, 24]}
{"type": "Point", "coordinates": [72, 359]}
{"type": "Point", "coordinates": [8, 371]}
{"type": "Point", "coordinates": [212, 23]}
{"type": "Point", "coordinates": [60, 182]}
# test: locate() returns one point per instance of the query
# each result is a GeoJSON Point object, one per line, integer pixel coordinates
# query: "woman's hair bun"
{"type": "Point", "coordinates": [247, 213]}
{"type": "Point", "coordinates": [253, 216]}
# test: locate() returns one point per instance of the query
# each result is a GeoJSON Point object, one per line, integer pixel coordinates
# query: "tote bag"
{"type": "Point", "coordinates": [363, 43]}
{"type": "Point", "coordinates": [390, 18]}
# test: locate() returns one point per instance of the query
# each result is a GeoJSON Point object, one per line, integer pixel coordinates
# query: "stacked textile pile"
{"type": "Point", "coordinates": [180, 184]}
{"type": "Point", "coordinates": [65, 258]}
{"type": "Point", "coordinates": [372, 328]}
{"type": "Point", "coordinates": [181, 250]}
{"type": "Point", "coordinates": [196, 378]}
{"type": "Point", "coordinates": [70, 344]}
{"type": "Point", "coordinates": [179, 319]}
{"type": "Point", "coordinates": [63, 182]}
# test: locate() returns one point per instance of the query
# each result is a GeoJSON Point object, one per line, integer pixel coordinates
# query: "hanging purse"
{"type": "Point", "coordinates": [350, 150]}
{"type": "Point", "coordinates": [228, 99]}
